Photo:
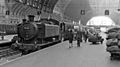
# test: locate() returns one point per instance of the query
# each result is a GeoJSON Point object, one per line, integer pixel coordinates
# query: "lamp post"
{"type": "Point", "coordinates": [79, 22]}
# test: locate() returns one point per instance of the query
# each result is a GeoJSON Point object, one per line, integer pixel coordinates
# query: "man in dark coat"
{"type": "Point", "coordinates": [70, 37]}
{"type": "Point", "coordinates": [85, 35]}
{"type": "Point", "coordinates": [79, 37]}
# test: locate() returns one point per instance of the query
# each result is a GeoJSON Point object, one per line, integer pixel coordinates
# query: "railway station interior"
{"type": "Point", "coordinates": [59, 33]}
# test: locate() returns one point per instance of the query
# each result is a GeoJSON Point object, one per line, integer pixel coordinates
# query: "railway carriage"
{"type": "Point", "coordinates": [8, 28]}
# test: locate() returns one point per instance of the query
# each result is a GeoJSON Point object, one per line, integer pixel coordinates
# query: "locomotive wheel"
{"type": "Point", "coordinates": [34, 49]}
{"type": "Point", "coordinates": [14, 46]}
{"type": "Point", "coordinates": [38, 48]}
{"type": "Point", "coordinates": [24, 52]}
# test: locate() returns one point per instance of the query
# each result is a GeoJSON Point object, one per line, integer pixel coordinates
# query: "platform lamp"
{"type": "Point", "coordinates": [118, 6]}
{"type": "Point", "coordinates": [82, 12]}
{"type": "Point", "coordinates": [79, 22]}
{"type": "Point", "coordinates": [106, 12]}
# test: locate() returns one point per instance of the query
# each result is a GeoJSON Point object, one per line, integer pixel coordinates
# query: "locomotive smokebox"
{"type": "Point", "coordinates": [31, 17]}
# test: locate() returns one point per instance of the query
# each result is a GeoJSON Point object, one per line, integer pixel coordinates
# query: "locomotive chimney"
{"type": "Point", "coordinates": [31, 17]}
{"type": "Point", "coordinates": [24, 20]}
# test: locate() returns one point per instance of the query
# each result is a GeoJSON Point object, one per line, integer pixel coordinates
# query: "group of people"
{"type": "Point", "coordinates": [77, 35]}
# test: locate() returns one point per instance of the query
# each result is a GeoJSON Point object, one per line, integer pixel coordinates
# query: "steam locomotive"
{"type": "Point", "coordinates": [32, 35]}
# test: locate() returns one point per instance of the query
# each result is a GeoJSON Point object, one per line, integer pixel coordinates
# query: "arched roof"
{"type": "Point", "coordinates": [22, 8]}
{"type": "Point", "coordinates": [72, 8]}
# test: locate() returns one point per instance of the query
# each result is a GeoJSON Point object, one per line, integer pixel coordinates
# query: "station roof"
{"type": "Point", "coordinates": [73, 9]}
{"type": "Point", "coordinates": [26, 7]}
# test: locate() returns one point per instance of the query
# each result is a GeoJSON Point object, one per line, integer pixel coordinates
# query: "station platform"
{"type": "Point", "coordinates": [60, 55]}
{"type": "Point", "coordinates": [7, 38]}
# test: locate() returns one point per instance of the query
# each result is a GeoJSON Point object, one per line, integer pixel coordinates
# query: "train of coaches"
{"type": "Point", "coordinates": [8, 29]}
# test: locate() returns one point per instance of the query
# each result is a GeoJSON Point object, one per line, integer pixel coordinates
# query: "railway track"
{"type": "Point", "coordinates": [7, 53]}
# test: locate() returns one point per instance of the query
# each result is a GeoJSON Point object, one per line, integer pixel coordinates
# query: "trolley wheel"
{"type": "Point", "coordinates": [93, 42]}
{"type": "Point", "coordinates": [102, 41]}
{"type": "Point", "coordinates": [111, 58]}
{"type": "Point", "coordinates": [112, 55]}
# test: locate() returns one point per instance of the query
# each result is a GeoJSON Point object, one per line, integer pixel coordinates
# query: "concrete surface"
{"type": "Point", "coordinates": [61, 56]}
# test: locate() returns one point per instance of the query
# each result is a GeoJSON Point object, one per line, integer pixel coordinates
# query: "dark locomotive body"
{"type": "Point", "coordinates": [32, 32]}
{"type": "Point", "coordinates": [32, 35]}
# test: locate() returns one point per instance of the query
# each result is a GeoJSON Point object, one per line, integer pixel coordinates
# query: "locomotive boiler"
{"type": "Point", "coordinates": [32, 35]}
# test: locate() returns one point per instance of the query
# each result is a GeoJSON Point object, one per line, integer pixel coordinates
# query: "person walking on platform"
{"type": "Point", "coordinates": [85, 35]}
{"type": "Point", "coordinates": [79, 37]}
{"type": "Point", "coordinates": [70, 37]}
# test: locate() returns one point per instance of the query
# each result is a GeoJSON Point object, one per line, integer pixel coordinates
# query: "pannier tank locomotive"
{"type": "Point", "coordinates": [32, 35]}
